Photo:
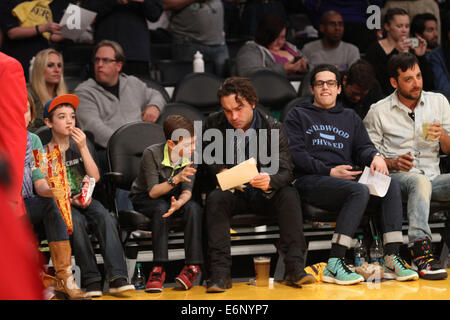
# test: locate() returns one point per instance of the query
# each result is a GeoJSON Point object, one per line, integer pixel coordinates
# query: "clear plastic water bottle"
{"type": "Point", "coordinates": [360, 252]}
{"type": "Point", "coordinates": [376, 251]}
{"type": "Point", "coordinates": [139, 278]}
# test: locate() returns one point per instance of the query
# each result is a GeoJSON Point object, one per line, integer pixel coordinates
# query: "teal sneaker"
{"type": "Point", "coordinates": [338, 272]}
{"type": "Point", "coordinates": [395, 268]}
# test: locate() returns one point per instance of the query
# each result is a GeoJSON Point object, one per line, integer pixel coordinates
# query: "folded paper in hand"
{"type": "Point", "coordinates": [378, 184]}
{"type": "Point", "coordinates": [75, 21]}
{"type": "Point", "coordinates": [238, 175]}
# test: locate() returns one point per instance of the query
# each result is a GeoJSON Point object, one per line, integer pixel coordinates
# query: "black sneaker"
{"type": "Point", "coordinates": [120, 285]}
{"type": "Point", "coordinates": [94, 289]}
{"type": "Point", "coordinates": [424, 262]}
{"type": "Point", "coordinates": [218, 284]}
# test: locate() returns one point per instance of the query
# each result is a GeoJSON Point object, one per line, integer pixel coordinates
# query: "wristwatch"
{"type": "Point", "coordinates": [378, 154]}
{"type": "Point", "coordinates": [171, 181]}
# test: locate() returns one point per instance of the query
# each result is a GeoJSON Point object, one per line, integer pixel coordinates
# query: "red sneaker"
{"type": "Point", "coordinates": [156, 280]}
{"type": "Point", "coordinates": [187, 276]}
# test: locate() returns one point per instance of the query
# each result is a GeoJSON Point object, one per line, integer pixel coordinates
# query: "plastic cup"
{"type": "Point", "coordinates": [262, 271]}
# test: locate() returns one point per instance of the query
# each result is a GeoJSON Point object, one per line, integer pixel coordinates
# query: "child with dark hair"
{"type": "Point", "coordinates": [164, 187]}
{"type": "Point", "coordinates": [41, 208]}
{"type": "Point", "coordinates": [59, 116]}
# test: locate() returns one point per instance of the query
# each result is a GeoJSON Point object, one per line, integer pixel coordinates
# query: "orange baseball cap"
{"type": "Point", "coordinates": [71, 99]}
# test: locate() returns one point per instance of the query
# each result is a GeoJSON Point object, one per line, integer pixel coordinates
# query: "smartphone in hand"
{"type": "Point", "coordinates": [355, 168]}
{"type": "Point", "coordinates": [414, 42]}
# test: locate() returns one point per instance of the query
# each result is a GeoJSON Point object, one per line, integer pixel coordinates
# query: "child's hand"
{"type": "Point", "coordinates": [79, 137]}
{"type": "Point", "coordinates": [185, 173]}
{"type": "Point", "coordinates": [174, 206]}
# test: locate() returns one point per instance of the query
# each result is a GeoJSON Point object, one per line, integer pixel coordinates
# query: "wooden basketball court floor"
{"type": "Point", "coordinates": [242, 290]}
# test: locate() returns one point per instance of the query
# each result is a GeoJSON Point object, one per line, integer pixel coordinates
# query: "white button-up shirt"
{"type": "Point", "coordinates": [395, 133]}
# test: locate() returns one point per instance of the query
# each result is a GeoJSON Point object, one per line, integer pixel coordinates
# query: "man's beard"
{"type": "Point", "coordinates": [409, 96]}
{"type": "Point", "coordinates": [432, 45]}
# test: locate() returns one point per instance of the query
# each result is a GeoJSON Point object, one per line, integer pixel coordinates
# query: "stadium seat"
{"type": "Point", "coordinates": [45, 134]}
{"type": "Point", "coordinates": [290, 105]}
{"type": "Point", "coordinates": [199, 90]}
{"type": "Point", "coordinates": [170, 72]}
{"type": "Point", "coordinates": [273, 89]}
{"type": "Point", "coordinates": [180, 108]}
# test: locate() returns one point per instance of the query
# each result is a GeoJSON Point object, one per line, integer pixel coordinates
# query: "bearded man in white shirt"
{"type": "Point", "coordinates": [408, 128]}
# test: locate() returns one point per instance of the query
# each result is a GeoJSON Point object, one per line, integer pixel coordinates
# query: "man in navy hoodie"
{"type": "Point", "coordinates": [326, 142]}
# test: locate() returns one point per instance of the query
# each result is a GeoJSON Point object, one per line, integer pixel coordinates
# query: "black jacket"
{"type": "Point", "coordinates": [284, 176]}
{"type": "Point", "coordinates": [126, 24]}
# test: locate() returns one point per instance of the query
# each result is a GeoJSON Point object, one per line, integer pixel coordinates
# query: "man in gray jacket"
{"type": "Point", "coordinates": [113, 99]}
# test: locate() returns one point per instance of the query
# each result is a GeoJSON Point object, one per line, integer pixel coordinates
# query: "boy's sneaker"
{"type": "Point", "coordinates": [120, 285]}
{"type": "Point", "coordinates": [425, 263]}
{"type": "Point", "coordinates": [187, 276]}
{"type": "Point", "coordinates": [395, 268]}
{"type": "Point", "coordinates": [156, 280]}
{"type": "Point", "coordinates": [94, 290]}
{"type": "Point", "coordinates": [338, 272]}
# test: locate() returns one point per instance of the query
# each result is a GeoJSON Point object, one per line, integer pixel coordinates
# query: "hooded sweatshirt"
{"type": "Point", "coordinates": [321, 139]}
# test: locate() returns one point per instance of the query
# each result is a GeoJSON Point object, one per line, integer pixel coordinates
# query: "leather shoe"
{"type": "Point", "coordinates": [218, 284]}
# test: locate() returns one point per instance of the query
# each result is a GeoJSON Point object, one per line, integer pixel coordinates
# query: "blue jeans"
{"type": "Point", "coordinates": [44, 210]}
{"type": "Point", "coordinates": [351, 198]}
{"type": "Point", "coordinates": [183, 49]}
{"type": "Point", "coordinates": [105, 226]}
{"type": "Point", "coordinates": [192, 219]}
{"type": "Point", "coordinates": [419, 191]}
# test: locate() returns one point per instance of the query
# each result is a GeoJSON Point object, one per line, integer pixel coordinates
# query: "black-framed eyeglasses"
{"type": "Point", "coordinates": [330, 83]}
{"type": "Point", "coordinates": [104, 60]}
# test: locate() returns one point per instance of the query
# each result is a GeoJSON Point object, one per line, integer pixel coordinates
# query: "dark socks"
{"type": "Point", "coordinates": [392, 248]}
{"type": "Point", "coordinates": [337, 251]}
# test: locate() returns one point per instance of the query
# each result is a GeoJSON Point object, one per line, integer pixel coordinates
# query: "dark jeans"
{"type": "Point", "coordinates": [350, 198]}
{"type": "Point", "coordinates": [192, 219]}
{"type": "Point", "coordinates": [285, 204]}
{"type": "Point", "coordinates": [105, 226]}
{"type": "Point", "coordinates": [42, 210]}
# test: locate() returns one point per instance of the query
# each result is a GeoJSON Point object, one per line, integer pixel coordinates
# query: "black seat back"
{"type": "Point", "coordinates": [273, 89]}
{"type": "Point", "coordinates": [45, 134]}
{"type": "Point", "coordinates": [292, 104]}
{"type": "Point", "coordinates": [186, 110]}
{"type": "Point", "coordinates": [199, 90]}
{"type": "Point", "coordinates": [126, 146]}
{"type": "Point", "coordinates": [170, 72]}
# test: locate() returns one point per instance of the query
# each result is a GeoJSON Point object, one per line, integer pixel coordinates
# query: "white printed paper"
{"type": "Point", "coordinates": [238, 175]}
{"type": "Point", "coordinates": [378, 184]}
{"type": "Point", "coordinates": [75, 21]}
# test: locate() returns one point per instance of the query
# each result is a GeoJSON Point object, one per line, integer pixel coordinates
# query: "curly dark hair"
{"type": "Point", "coordinates": [241, 87]}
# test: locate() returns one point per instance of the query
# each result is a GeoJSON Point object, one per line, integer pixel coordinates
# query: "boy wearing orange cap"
{"type": "Point", "coordinates": [59, 116]}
